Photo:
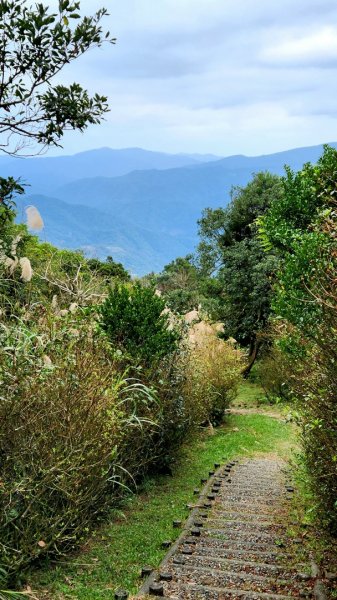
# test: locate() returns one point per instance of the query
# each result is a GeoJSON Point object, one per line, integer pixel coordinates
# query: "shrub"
{"type": "Point", "coordinates": [181, 301]}
{"type": "Point", "coordinates": [135, 322]}
{"type": "Point", "coordinates": [76, 430]}
{"type": "Point", "coordinates": [155, 449]}
{"type": "Point", "coordinates": [213, 374]}
{"type": "Point", "coordinates": [273, 371]}
{"type": "Point", "coordinates": [108, 269]}
{"type": "Point", "coordinates": [64, 412]}
{"type": "Point", "coordinates": [302, 228]}
{"type": "Point", "coordinates": [308, 371]}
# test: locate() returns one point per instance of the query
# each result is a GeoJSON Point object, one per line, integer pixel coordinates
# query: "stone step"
{"type": "Point", "coordinates": [204, 576]}
{"type": "Point", "coordinates": [243, 525]}
{"type": "Point", "coordinates": [192, 591]}
{"type": "Point", "coordinates": [229, 534]}
{"type": "Point", "coordinates": [274, 556]}
{"type": "Point", "coordinates": [248, 517]}
{"type": "Point", "coordinates": [238, 548]}
{"type": "Point", "coordinates": [239, 543]}
{"type": "Point", "coordinates": [248, 566]}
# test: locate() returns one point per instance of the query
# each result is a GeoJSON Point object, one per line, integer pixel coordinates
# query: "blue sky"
{"type": "Point", "coordinates": [213, 76]}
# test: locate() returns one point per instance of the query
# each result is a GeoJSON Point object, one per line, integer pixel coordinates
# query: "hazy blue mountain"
{"type": "Point", "coordinates": [171, 201]}
{"type": "Point", "coordinates": [44, 174]}
{"type": "Point", "coordinates": [100, 234]}
{"type": "Point", "coordinates": [200, 157]}
{"type": "Point", "coordinates": [148, 217]}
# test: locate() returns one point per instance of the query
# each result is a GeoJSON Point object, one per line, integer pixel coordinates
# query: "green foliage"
{"type": "Point", "coordinates": [222, 227]}
{"type": "Point", "coordinates": [306, 194]}
{"type": "Point", "coordinates": [246, 277]}
{"type": "Point", "coordinates": [108, 269]}
{"type": "Point", "coordinates": [302, 228]}
{"type": "Point", "coordinates": [36, 44]}
{"type": "Point", "coordinates": [134, 320]}
{"type": "Point", "coordinates": [182, 301]}
{"type": "Point", "coordinates": [185, 287]}
{"type": "Point", "coordinates": [76, 432]}
{"type": "Point", "coordinates": [212, 377]}
{"type": "Point", "coordinates": [230, 248]}
{"type": "Point", "coordinates": [179, 284]}
{"type": "Point", "coordinates": [294, 227]}
{"type": "Point", "coordinates": [181, 273]}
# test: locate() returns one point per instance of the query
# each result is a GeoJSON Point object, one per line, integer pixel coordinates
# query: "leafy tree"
{"type": "Point", "coordinates": [302, 229]}
{"type": "Point", "coordinates": [108, 269]}
{"type": "Point", "coordinates": [186, 287]}
{"type": "Point", "coordinates": [35, 45]}
{"type": "Point", "coordinates": [293, 228]}
{"type": "Point", "coordinates": [220, 228]}
{"type": "Point", "coordinates": [231, 249]}
{"type": "Point", "coordinates": [180, 273]}
{"type": "Point", "coordinates": [135, 323]}
{"type": "Point", "coordinates": [179, 283]}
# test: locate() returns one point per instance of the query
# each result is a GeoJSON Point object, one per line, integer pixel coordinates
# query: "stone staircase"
{"type": "Point", "coordinates": [235, 544]}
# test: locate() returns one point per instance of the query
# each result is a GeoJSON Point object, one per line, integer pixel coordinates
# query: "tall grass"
{"type": "Point", "coordinates": [212, 376]}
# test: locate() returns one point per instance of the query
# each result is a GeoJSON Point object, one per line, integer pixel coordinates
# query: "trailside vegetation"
{"type": "Point", "coordinates": [92, 371]}
{"type": "Point", "coordinates": [231, 250]}
{"type": "Point", "coordinates": [271, 256]}
{"type": "Point", "coordinates": [135, 322]}
{"type": "Point", "coordinates": [302, 229]}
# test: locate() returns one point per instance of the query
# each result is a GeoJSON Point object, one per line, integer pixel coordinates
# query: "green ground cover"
{"type": "Point", "coordinates": [114, 556]}
{"type": "Point", "coordinates": [250, 395]}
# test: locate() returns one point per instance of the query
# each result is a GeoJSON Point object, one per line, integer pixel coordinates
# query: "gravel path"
{"type": "Point", "coordinates": [235, 544]}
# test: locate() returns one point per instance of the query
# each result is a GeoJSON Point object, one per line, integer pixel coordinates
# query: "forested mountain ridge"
{"type": "Point", "coordinates": [101, 234]}
{"type": "Point", "coordinates": [158, 208]}
{"type": "Point", "coordinates": [45, 174]}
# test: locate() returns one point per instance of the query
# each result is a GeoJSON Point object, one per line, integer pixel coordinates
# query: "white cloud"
{"type": "Point", "coordinates": [316, 47]}
{"type": "Point", "coordinates": [224, 76]}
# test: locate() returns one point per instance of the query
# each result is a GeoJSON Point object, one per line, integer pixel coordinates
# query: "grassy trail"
{"type": "Point", "coordinates": [133, 538]}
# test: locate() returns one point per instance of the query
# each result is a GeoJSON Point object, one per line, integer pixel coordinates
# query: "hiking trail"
{"type": "Point", "coordinates": [236, 542]}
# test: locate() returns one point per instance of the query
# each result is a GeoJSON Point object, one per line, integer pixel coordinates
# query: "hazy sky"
{"type": "Point", "coordinates": [219, 76]}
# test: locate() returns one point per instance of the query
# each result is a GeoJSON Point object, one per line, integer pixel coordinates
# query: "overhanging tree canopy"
{"type": "Point", "coordinates": [35, 45]}
{"type": "Point", "coordinates": [231, 248]}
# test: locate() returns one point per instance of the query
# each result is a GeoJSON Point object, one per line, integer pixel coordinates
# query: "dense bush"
{"type": "Point", "coordinates": [75, 431]}
{"type": "Point", "coordinates": [80, 423]}
{"type": "Point", "coordinates": [109, 269]}
{"type": "Point", "coordinates": [60, 426]}
{"type": "Point", "coordinates": [274, 370]}
{"type": "Point", "coordinates": [212, 377]}
{"type": "Point", "coordinates": [302, 228]}
{"type": "Point", "coordinates": [135, 322]}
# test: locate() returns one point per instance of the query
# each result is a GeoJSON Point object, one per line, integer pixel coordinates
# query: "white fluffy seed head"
{"type": "Point", "coordinates": [34, 219]}
{"type": "Point", "coordinates": [26, 269]}
{"type": "Point", "coordinates": [14, 245]}
{"type": "Point", "coordinates": [11, 264]}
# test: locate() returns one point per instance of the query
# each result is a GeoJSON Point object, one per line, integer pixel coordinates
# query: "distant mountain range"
{"type": "Point", "coordinates": [138, 206]}
{"type": "Point", "coordinates": [44, 174]}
